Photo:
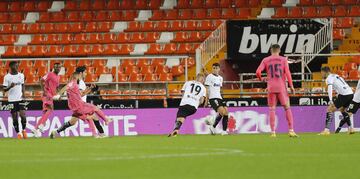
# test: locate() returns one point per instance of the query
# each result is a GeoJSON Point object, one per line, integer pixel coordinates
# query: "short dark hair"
{"type": "Point", "coordinates": [216, 65]}
{"type": "Point", "coordinates": [57, 63]}
{"type": "Point", "coordinates": [12, 63]}
{"type": "Point", "coordinates": [275, 46]}
{"type": "Point", "coordinates": [325, 69]}
{"type": "Point", "coordinates": [80, 69]}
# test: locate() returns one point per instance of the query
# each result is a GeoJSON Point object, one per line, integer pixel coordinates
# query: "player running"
{"type": "Point", "coordinates": [49, 83]}
{"type": "Point", "coordinates": [343, 100]}
{"type": "Point", "coordinates": [84, 92]}
{"type": "Point", "coordinates": [213, 85]}
{"type": "Point", "coordinates": [277, 69]}
{"type": "Point", "coordinates": [14, 85]}
{"type": "Point", "coordinates": [80, 109]}
{"type": "Point", "coordinates": [194, 94]}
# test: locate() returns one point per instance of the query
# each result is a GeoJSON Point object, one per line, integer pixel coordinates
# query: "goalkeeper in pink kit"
{"type": "Point", "coordinates": [277, 70]}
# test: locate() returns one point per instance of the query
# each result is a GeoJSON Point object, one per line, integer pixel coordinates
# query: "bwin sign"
{"type": "Point", "coordinates": [251, 41]}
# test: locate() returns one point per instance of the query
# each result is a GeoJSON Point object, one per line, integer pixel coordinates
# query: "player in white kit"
{"type": "Point", "coordinates": [354, 105]}
{"type": "Point", "coordinates": [194, 94]}
{"type": "Point", "coordinates": [213, 84]}
{"type": "Point", "coordinates": [14, 86]}
{"type": "Point", "coordinates": [342, 101]}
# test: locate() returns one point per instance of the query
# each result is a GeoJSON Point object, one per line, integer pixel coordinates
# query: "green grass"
{"type": "Point", "coordinates": [187, 156]}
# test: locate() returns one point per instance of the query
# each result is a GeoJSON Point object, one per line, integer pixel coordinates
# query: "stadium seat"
{"type": "Point", "coordinates": [90, 27]}
{"type": "Point", "coordinates": [115, 15]}
{"type": "Point", "coordinates": [52, 39]}
{"type": "Point", "coordinates": [139, 4]}
{"type": "Point", "coordinates": [4, 6]}
{"type": "Point", "coordinates": [228, 13]}
{"type": "Point", "coordinates": [178, 25]}
{"type": "Point", "coordinates": [276, 3]}
{"type": "Point", "coordinates": [134, 77]}
{"type": "Point", "coordinates": [338, 34]}
{"type": "Point", "coordinates": [129, 94]}
{"type": "Point", "coordinates": [161, 94]}
{"type": "Point", "coordinates": [15, 6]}
{"type": "Point", "coordinates": [126, 49]}
{"type": "Point", "coordinates": [98, 5]}
{"type": "Point", "coordinates": [40, 64]}
{"type": "Point", "coordinates": [54, 51]}
{"type": "Point", "coordinates": [325, 11]}
{"type": "Point", "coordinates": [113, 94]}
{"type": "Point", "coordinates": [354, 10]}
{"type": "Point", "coordinates": [343, 74]}
{"type": "Point", "coordinates": [183, 4]}
{"type": "Point", "coordinates": [4, 17]}
{"type": "Point", "coordinates": [144, 94]}
{"type": "Point", "coordinates": [94, 38]}
{"type": "Point", "coordinates": [354, 75]}
{"type": "Point", "coordinates": [157, 15]}
{"type": "Point", "coordinates": [123, 37]}
{"type": "Point", "coordinates": [40, 51]}
{"type": "Point", "coordinates": [109, 38]}
{"type": "Point", "coordinates": [104, 26]}
{"type": "Point", "coordinates": [72, 16]}
{"type": "Point", "coordinates": [150, 77]}
{"type": "Point", "coordinates": [171, 14]}
{"type": "Point", "coordinates": [29, 6]}
{"type": "Point", "coordinates": [91, 77]}
{"type": "Point", "coordinates": [154, 4]}
{"type": "Point", "coordinates": [33, 28]}
{"type": "Point", "coordinates": [6, 29]}
{"type": "Point", "coordinates": [38, 39]}
{"type": "Point", "coordinates": [241, 3]}
{"type": "Point", "coordinates": [306, 2]}
{"type": "Point", "coordinates": [193, 25]}
{"type": "Point", "coordinates": [129, 15]}
{"type": "Point", "coordinates": [76, 27]}
{"type": "Point", "coordinates": [310, 12]}
{"type": "Point", "coordinates": [185, 14]}
{"type": "Point", "coordinates": [64, 79]}
{"type": "Point", "coordinates": [47, 28]}
{"type": "Point", "coordinates": [69, 63]}
{"type": "Point", "coordinates": [185, 48]}
{"type": "Point", "coordinates": [350, 66]}
{"type": "Point", "coordinates": [31, 79]}
{"type": "Point", "coordinates": [26, 64]}
{"type": "Point", "coordinates": [142, 62]}
{"type": "Point", "coordinates": [70, 5]}
{"type": "Point", "coordinates": [214, 13]}
{"type": "Point", "coordinates": [111, 49]}
{"type": "Point", "coordinates": [177, 70]}
{"type": "Point", "coordinates": [157, 61]}
{"type": "Point", "coordinates": [168, 49]}
{"type": "Point", "coordinates": [147, 26]}
{"type": "Point", "coordinates": [295, 12]}
{"type": "Point", "coordinates": [281, 12]}
{"type": "Point", "coordinates": [61, 27]}
{"type": "Point", "coordinates": [254, 3]}
{"type": "Point", "coordinates": [165, 77]}
{"type": "Point", "coordinates": [243, 13]}
{"type": "Point", "coordinates": [43, 6]}
{"type": "Point", "coordinates": [320, 2]}
{"type": "Point", "coordinates": [97, 50]}
{"type": "Point", "coordinates": [84, 5]}
{"type": "Point", "coordinates": [80, 38]}
{"type": "Point", "coordinates": [340, 11]}
{"type": "Point", "coordinates": [348, 2]}
{"type": "Point", "coordinates": [113, 4]}
{"type": "Point", "coordinates": [152, 37]}
{"type": "Point", "coordinates": [146, 70]}
{"type": "Point", "coordinates": [57, 17]}
{"type": "Point", "coordinates": [66, 39]}
{"type": "Point", "coordinates": [44, 17]}
{"type": "Point", "coordinates": [131, 70]}
{"type": "Point", "coordinates": [101, 70]}
{"type": "Point", "coordinates": [190, 62]}
{"type": "Point", "coordinates": [127, 4]}
{"type": "Point", "coordinates": [137, 37]}
{"type": "Point", "coordinates": [160, 69]}
{"type": "Point", "coordinates": [200, 14]}
{"type": "Point", "coordinates": [41, 71]}
{"type": "Point", "coordinates": [175, 93]}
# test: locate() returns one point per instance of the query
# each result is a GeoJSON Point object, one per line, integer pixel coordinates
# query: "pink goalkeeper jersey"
{"type": "Point", "coordinates": [277, 69]}
{"type": "Point", "coordinates": [51, 84]}
{"type": "Point", "coordinates": [74, 96]}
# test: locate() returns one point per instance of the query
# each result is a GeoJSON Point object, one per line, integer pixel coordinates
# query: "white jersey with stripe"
{"type": "Point", "coordinates": [357, 93]}
{"type": "Point", "coordinates": [337, 83]}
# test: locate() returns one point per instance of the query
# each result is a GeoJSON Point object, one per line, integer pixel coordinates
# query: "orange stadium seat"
{"type": "Point", "coordinates": [161, 69]}
{"type": "Point", "coordinates": [157, 61]}
{"type": "Point", "coordinates": [185, 14]}
{"type": "Point", "coordinates": [44, 17]}
{"type": "Point", "coordinates": [340, 11]}
{"type": "Point", "coordinates": [40, 64]}
{"type": "Point", "coordinates": [104, 26]}
{"type": "Point", "coordinates": [180, 36]}
{"type": "Point", "coordinates": [144, 94]}
{"type": "Point", "coordinates": [41, 71]}
{"type": "Point", "coordinates": [91, 77]}
{"type": "Point", "coordinates": [175, 93]}
{"type": "Point", "coordinates": [338, 34]}
{"type": "Point", "coordinates": [127, 4]}
{"type": "Point", "coordinates": [76, 27]}
{"type": "Point", "coordinates": [157, 15]}
{"type": "Point", "coordinates": [165, 77]}
{"type": "Point", "coordinates": [141, 4]}
{"type": "Point", "coordinates": [101, 16]}
{"type": "Point", "coordinates": [52, 39]}
{"type": "Point", "coordinates": [241, 3]}
{"type": "Point", "coordinates": [98, 5]}
{"type": "Point", "coordinates": [122, 77]}
{"type": "Point", "coordinates": [70, 5]}
{"type": "Point", "coordinates": [25, 64]}
{"type": "Point", "coordinates": [109, 38]}
{"type": "Point", "coordinates": [193, 25]}
{"type": "Point", "coordinates": [129, 94]}
{"type": "Point", "coordinates": [72, 16]}
{"type": "Point", "coordinates": [126, 49]}
{"type": "Point", "coordinates": [320, 2]}
{"type": "Point", "coordinates": [61, 27]}
{"type": "Point", "coordinates": [295, 12]}
{"type": "Point", "coordinates": [214, 14]}
{"type": "Point", "coordinates": [306, 2]}
{"type": "Point", "coordinates": [97, 50]}
{"type": "Point", "coordinates": [343, 74]}
{"type": "Point", "coordinates": [228, 13]}
{"type": "Point", "coordinates": [69, 63]}
{"type": "Point", "coordinates": [33, 28]}
{"type": "Point", "coordinates": [38, 39]}
{"type": "Point", "coordinates": [86, 63]}
{"type": "Point", "coordinates": [350, 66]}
{"type": "Point", "coordinates": [15, 6]}
{"type": "Point", "coordinates": [4, 6]}
{"type": "Point", "coordinates": [325, 11]}
{"type": "Point", "coordinates": [90, 27]}
{"type": "Point", "coordinates": [129, 15]}
{"type": "Point", "coordinates": [154, 4]}
{"type": "Point", "coordinates": [162, 25]}
{"type": "Point", "coordinates": [151, 37]}
{"type": "Point", "coordinates": [150, 77]}
{"type": "Point", "coordinates": [84, 5]}
{"type": "Point", "coordinates": [40, 51]}
{"type": "Point", "coordinates": [57, 17]}
{"type": "Point", "coordinates": [158, 92]}
{"type": "Point", "coordinates": [4, 17]}
{"type": "Point", "coordinates": [310, 12]}
{"type": "Point", "coordinates": [171, 14]}
{"type": "Point", "coordinates": [87, 16]}
{"type": "Point", "coordinates": [115, 94]}
{"type": "Point", "coordinates": [200, 14]}
{"type": "Point", "coordinates": [354, 10]}
{"type": "Point", "coordinates": [102, 70]}
{"type": "Point", "coordinates": [99, 63]}
{"type": "Point", "coordinates": [243, 13]}
{"type": "Point", "coordinates": [43, 6]}
{"type": "Point", "coordinates": [111, 49]}
{"type": "Point", "coordinates": [354, 75]}
{"type": "Point", "coordinates": [6, 29]}
{"type": "Point", "coordinates": [177, 70]}
{"type": "Point", "coordinates": [47, 28]}
{"type": "Point", "coordinates": [115, 15]}
{"type": "Point", "coordinates": [169, 48]}
{"type": "Point", "coordinates": [54, 50]}
{"type": "Point", "coordinates": [31, 79]}
{"type": "Point", "coordinates": [183, 4]}
{"type": "Point", "coordinates": [276, 3]}
{"type": "Point", "coordinates": [197, 4]}
{"type": "Point", "coordinates": [142, 62]}
{"type": "Point", "coordinates": [281, 12]}
{"type": "Point", "coordinates": [29, 6]}
{"type": "Point", "coordinates": [123, 37]}
{"type": "Point", "coordinates": [211, 3]}
{"type": "Point", "coordinates": [131, 70]}
{"type": "Point", "coordinates": [134, 77]}
{"type": "Point", "coordinates": [146, 70]}
{"type": "Point", "coordinates": [128, 62]}
{"type": "Point", "coordinates": [113, 4]}
{"type": "Point", "coordinates": [137, 37]}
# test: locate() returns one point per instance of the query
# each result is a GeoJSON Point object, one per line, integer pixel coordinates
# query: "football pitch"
{"type": "Point", "coordinates": [185, 156]}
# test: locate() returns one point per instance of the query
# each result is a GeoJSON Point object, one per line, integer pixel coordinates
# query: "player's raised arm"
{"type": "Point", "coordinates": [260, 69]}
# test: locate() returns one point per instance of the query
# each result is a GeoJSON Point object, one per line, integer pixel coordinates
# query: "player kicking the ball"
{"type": "Point", "coordinates": [80, 109]}
{"type": "Point", "coordinates": [194, 94]}
{"type": "Point", "coordinates": [343, 100]}
{"type": "Point", "coordinates": [277, 69]}
{"type": "Point", "coordinates": [213, 85]}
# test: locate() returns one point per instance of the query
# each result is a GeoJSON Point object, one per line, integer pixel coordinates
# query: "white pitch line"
{"type": "Point", "coordinates": [216, 151]}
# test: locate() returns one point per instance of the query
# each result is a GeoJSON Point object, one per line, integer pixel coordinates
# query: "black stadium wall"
{"type": "Point", "coordinates": [249, 41]}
